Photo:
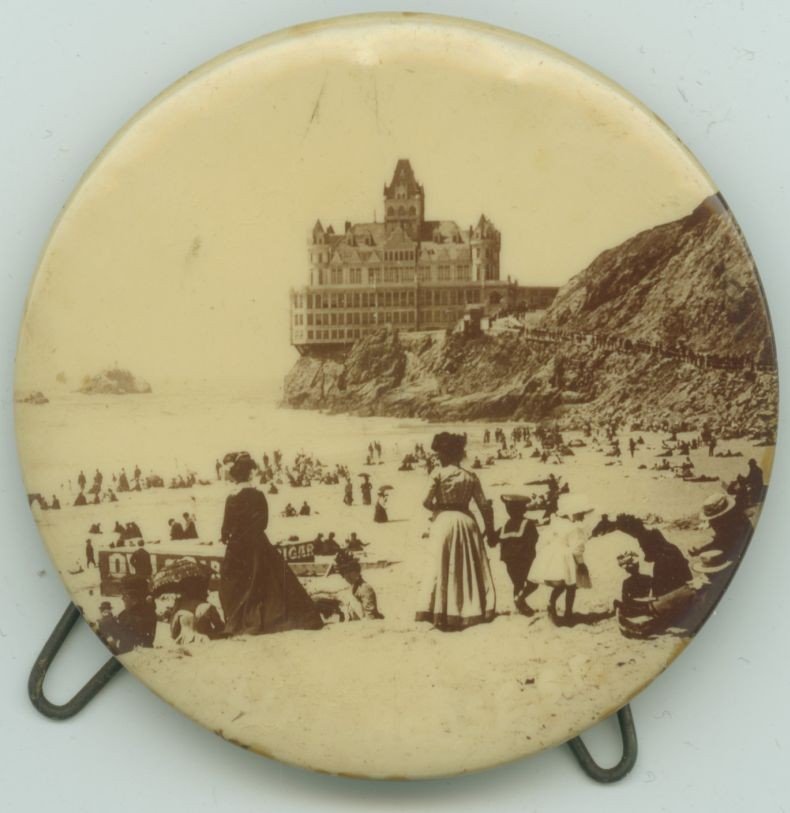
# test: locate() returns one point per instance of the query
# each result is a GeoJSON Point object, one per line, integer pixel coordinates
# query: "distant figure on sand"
{"type": "Point", "coordinates": [190, 528]}
{"type": "Point", "coordinates": [460, 589]}
{"type": "Point", "coordinates": [380, 511]}
{"type": "Point", "coordinates": [366, 489]}
{"type": "Point", "coordinates": [258, 591]}
{"type": "Point", "coordinates": [90, 558]}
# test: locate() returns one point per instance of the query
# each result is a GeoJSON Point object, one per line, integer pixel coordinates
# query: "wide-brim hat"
{"type": "Point", "coordinates": [717, 505]}
{"type": "Point", "coordinates": [571, 504]}
{"type": "Point", "coordinates": [175, 575]}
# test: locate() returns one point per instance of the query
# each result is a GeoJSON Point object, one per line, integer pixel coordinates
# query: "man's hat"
{"type": "Point", "coordinates": [717, 505]}
{"type": "Point", "coordinates": [517, 499]}
{"type": "Point", "coordinates": [105, 605]}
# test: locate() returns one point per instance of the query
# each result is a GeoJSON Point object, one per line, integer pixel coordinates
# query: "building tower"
{"type": "Point", "coordinates": [484, 242]}
{"type": "Point", "coordinates": [404, 200]}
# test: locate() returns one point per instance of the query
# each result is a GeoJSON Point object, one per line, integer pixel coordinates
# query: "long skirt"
{"type": "Point", "coordinates": [461, 590]}
{"type": "Point", "coordinates": [259, 592]}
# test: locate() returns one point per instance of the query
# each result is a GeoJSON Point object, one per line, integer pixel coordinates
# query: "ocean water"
{"type": "Point", "coordinates": [176, 433]}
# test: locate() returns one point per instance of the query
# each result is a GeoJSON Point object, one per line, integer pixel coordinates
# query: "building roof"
{"type": "Point", "coordinates": [404, 176]}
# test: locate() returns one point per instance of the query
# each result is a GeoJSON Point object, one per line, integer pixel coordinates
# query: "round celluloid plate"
{"type": "Point", "coordinates": [396, 396]}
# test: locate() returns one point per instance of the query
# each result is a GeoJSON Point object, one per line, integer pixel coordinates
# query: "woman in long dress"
{"type": "Point", "coordinates": [559, 558]}
{"type": "Point", "coordinates": [258, 591]}
{"type": "Point", "coordinates": [460, 592]}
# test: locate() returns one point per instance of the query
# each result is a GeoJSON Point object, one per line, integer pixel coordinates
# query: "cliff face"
{"type": "Point", "coordinates": [691, 279]}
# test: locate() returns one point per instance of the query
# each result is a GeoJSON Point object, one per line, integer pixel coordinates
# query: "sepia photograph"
{"type": "Point", "coordinates": [439, 404]}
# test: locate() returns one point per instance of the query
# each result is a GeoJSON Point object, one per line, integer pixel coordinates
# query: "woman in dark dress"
{"type": "Point", "coordinates": [258, 591]}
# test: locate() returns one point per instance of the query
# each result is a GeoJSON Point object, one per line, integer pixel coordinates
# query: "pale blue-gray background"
{"type": "Point", "coordinates": [714, 730]}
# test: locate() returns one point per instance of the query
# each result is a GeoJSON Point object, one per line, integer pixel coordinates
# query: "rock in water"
{"type": "Point", "coordinates": [114, 382]}
{"type": "Point", "coordinates": [37, 398]}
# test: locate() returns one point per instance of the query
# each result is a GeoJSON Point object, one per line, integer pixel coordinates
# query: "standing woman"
{"type": "Point", "coordinates": [258, 591]}
{"type": "Point", "coordinates": [460, 592]}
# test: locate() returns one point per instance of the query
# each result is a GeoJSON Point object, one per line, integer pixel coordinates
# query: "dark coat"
{"type": "Point", "coordinates": [136, 627]}
{"type": "Point", "coordinates": [258, 591]}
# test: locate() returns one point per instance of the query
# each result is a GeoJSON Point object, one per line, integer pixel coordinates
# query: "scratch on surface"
{"type": "Point", "coordinates": [316, 108]}
{"type": "Point", "coordinates": [194, 248]}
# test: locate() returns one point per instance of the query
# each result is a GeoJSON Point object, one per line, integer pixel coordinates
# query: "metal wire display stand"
{"type": "Point", "coordinates": [38, 674]}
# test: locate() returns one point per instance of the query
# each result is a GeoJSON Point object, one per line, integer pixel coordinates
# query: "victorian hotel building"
{"type": "Point", "coordinates": [409, 273]}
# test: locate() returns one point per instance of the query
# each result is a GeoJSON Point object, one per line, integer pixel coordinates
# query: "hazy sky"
{"type": "Point", "coordinates": [175, 256]}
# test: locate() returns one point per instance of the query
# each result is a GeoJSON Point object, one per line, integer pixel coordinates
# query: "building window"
{"type": "Point", "coordinates": [337, 276]}
{"type": "Point", "coordinates": [309, 334]}
{"type": "Point", "coordinates": [355, 276]}
{"type": "Point", "coordinates": [444, 272]}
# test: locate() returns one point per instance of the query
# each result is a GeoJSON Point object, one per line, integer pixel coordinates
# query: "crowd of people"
{"type": "Point", "coordinates": [542, 542]}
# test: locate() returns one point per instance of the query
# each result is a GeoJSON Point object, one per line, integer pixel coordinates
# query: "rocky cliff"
{"type": "Point", "coordinates": [691, 280]}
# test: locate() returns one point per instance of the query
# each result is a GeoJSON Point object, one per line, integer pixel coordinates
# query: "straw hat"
{"type": "Point", "coordinates": [717, 505]}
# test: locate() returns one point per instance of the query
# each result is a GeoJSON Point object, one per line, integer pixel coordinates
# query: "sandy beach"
{"type": "Point", "coordinates": [488, 694]}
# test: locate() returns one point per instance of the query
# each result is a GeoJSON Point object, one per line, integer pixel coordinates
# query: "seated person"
{"type": "Point", "coordinates": [190, 529]}
{"type": "Point", "coordinates": [354, 543]}
{"type": "Point", "coordinates": [636, 588]}
{"type": "Point", "coordinates": [136, 623]}
{"type": "Point", "coordinates": [362, 604]}
{"type": "Point", "coordinates": [325, 547]}
{"type": "Point", "coordinates": [304, 511]}
{"type": "Point", "coordinates": [133, 531]}
{"type": "Point", "coordinates": [289, 511]}
{"type": "Point", "coordinates": [176, 529]}
{"type": "Point", "coordinates": [192, 618]}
